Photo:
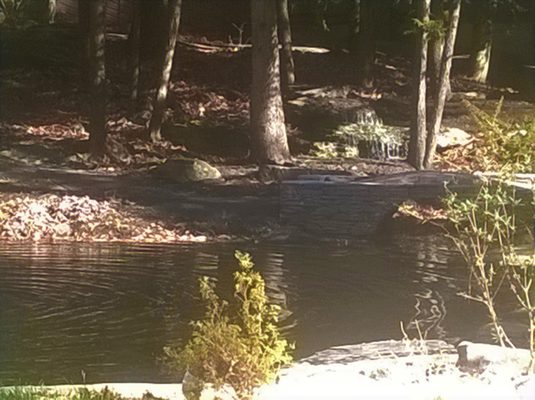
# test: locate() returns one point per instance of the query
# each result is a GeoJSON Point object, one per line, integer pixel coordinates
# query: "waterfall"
{"type": "Point", "coordinates": [366, 131]}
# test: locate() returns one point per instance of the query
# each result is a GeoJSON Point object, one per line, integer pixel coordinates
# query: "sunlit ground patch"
{"type": "Point", "coordinates": [80, 218]}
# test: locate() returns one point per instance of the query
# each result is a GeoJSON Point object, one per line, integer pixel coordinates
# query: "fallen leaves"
{"type": "Point", "coordinates": [80, 218]}
{"type": "Point", "coordinates": [421, 213]}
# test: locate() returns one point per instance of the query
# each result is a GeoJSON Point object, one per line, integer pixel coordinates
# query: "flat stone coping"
{"type": "Point", "coordinates": [415, 370]}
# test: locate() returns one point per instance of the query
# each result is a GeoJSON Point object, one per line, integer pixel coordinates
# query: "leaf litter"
{"type": "Point", "coordinates": [51, 217]}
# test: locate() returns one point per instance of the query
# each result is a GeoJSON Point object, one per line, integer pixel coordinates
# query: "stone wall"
{"type": "Point", "coordinates": [344, 207]}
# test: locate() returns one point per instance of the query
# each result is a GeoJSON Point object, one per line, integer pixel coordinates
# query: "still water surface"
{"type": "Point", "coordinates": [75, 312]}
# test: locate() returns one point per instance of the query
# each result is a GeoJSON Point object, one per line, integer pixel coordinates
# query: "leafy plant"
{"type": "Point", "coordinates": [29, 393]}
{"type": "Point", "coordinates": [503, 145]}
{"type": "Point", "coordinates": [236, 344]}
{"type": "Point", "coordinates": [485, 231]}
{"type": "Point", "coordinates": [329, 150]}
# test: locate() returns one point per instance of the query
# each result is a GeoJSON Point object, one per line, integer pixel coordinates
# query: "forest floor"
{"type": "Point", "coordinates": [44, 141]}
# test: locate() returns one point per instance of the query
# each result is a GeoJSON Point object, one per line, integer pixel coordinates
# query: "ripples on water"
{"type": "Point", "coordinates": [103, 312]}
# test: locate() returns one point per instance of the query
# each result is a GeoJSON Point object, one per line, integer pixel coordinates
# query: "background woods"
{"type": "Point", "coordinates": [129, 62]}
{"type": "Point", "coordinates": [322, 135]}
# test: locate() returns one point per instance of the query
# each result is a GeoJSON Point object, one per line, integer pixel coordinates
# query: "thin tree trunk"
{"type": "Point", "coordinates": [97, 114]}
{"type": "Point", "coordinates": [419, 122]}
{"type": "Point", "coordinates": [83, 28]}
{"type": "Point", "coordinates": [366, 44]}
{"type": "Point", "coordinates": [83, 17]}
{"type": "Point", "coordinates": [482, 41]}
{"type": "Point", "coordinates": [134, 44]}
{"type": "Point", "coordinates": [436, 46]}
{"type": "Point", "coordinates": [355, 27]}
{"type": "Point", "coordinates": [285, 38]}
{"type": "Point", "coordinates": [440, 99]}
{"type": "Point", "coordinates": [268, 132]}
{"type": "Point", "coordinates": [51, 11]}
{"type": "Point", "coordinates": [156, 120]}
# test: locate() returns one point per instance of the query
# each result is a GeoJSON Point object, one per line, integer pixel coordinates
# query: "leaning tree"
{"type": "Point", "coordinates": [422, 144]}
{"type": "Point", "coordinates": [158, 108]}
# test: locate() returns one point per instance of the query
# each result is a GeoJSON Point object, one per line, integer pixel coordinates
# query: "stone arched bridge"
{"type": "Point", "coordinates": [346, 206]}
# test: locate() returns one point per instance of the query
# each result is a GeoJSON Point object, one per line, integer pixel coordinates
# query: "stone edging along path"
{"type": "Point", "coordinates": [383, 370]}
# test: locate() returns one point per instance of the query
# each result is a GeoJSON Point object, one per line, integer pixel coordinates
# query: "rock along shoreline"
{"type": "Point", "coordinates": [379, 370]}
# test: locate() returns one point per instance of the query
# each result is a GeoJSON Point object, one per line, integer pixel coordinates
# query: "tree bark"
{"type": "Point", "coordinates": [51, 11]}
{"type": "Point", "coordinates": [366, 44]}
{"type": "Point", "coordinates": [445, 68]}
{"type": "Point", "coordinates": [354, 28]}
{"type": "Point", "coordinates": [83, 28]}
{"type": "Point", "coordinates": [156, 120]}
{"type": "Point", "coordinates": [482, 41]}
{"type": "Point", "coordinates": [419, 121]}
{"type": "Point", "coordinates": [285, 38]}
{"type": "Point", "coordinates": [133, 42]}
{"type": "Point", "coordinates": [268, 132]}
{"type": "Point", "coordinates": [83, 16]}
{"type": "Point", "coordinates": [436, 46]}
{"type": "Point", "coordinates": [97, 71]}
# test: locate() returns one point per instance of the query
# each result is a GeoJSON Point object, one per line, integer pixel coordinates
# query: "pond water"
{"type": "Point", "coordinates": [71, 313]}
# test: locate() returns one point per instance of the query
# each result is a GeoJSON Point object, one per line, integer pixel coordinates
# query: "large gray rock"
{"type": "Point", "coordinates": [480, 355]}
{"type": "Point", "coordinates": [184, 170]}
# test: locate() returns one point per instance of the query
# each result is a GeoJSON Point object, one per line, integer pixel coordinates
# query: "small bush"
{"type": "Point", "coordinates": [486, 232]}
{"type": "Point", "coordinates": [236, 344]}
{"type": "Point", "coordinates": [503, 145]}
{"type": "Point", "coordinates": [29, 393]}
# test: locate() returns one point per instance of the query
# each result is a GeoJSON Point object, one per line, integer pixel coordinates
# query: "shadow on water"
{"type": "Point", "coordinates": [103, 312]}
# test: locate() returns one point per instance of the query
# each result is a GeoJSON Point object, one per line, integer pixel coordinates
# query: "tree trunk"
{"type": "Point", "coordinates": [83, 27]}
{"type": "Point", "coordinates": [436, 46]}
{"type": "Point", "coordinates": [268, 132]}
{"type": "Point", "coordinates": [83, 17]}
{"type": "Point", "coordinates": [97, 72]}
{"type": "Point", "coordinates": [482, 41]}
{"type": "Point", "coordinates": [354, 28]}
{"type": "Point", "coordinates": [419, 123]}
{"type": "Point", "coordinates": [133, 42]}
{"type": "Point", "coordinates": [366, 44]}
{"type": "Point", "coordinates": [445, 68]}
{"type": "Point", "coordinates": [285, 37]}
{"type": "Point", "coordinates": [51, 11]}
{"type": "Point", "coordinates": [156, 120]}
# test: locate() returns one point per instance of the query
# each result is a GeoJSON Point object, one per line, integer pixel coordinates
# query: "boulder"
{"type": "Point", "coordinates": [452, 137]}
{"type": "Point", "coordinates": [184, 170]}
{"type": "Point", "coordinates": [480, 355]}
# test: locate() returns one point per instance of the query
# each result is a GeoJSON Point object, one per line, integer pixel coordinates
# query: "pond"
{"type": "Point", "coordinates": [73, 313]}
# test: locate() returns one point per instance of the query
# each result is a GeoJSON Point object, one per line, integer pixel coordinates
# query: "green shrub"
{"type": "Point", "coordinates": [237, 344]}
{"type": "Point", "coordinates": [34, 393]}
{"type": "Point", "coordinates": [503, 145]}
{"type": "Point", "coordinates": [486, 232]}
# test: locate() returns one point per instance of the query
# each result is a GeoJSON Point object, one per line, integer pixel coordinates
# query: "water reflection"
{"type": "Point", "coordinates": [104, 312]}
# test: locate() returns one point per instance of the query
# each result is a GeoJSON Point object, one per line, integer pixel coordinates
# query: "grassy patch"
{"type": "Point", "coordinates": [27, 393]}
